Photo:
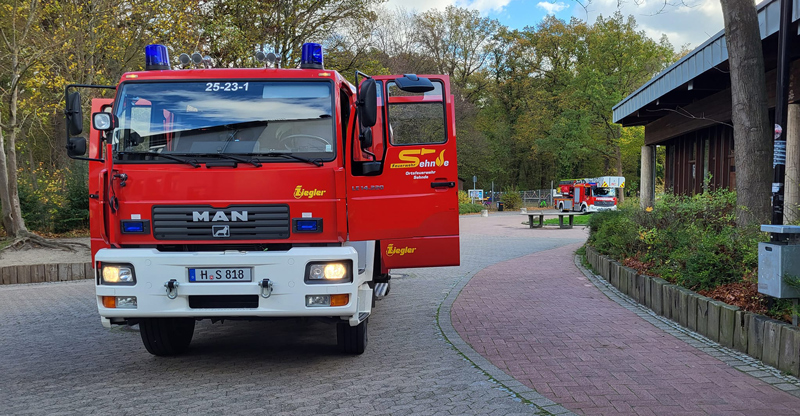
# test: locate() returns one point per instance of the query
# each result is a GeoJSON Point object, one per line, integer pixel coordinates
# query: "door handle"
{"type": "Point", "coordinates": [443, 184]}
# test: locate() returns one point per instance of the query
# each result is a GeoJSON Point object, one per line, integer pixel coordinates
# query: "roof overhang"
{"type": "Point", "coordinates": [699, 74]}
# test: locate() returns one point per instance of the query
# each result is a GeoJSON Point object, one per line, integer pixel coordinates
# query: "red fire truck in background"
{"type": "Point", "coordinates": [258, 193]}
{"type": "Point", "coordinates": [589, 194]}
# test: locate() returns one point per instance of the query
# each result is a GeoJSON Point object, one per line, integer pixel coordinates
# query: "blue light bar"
{"type": "Point", "coordinates": [311, 56]}
{"type": "Point", "coordinates": [156, 57]}
{"type": "Point", "coordinates": [135, 226]}
{"type": "Point", "coordinates": [307, 225]}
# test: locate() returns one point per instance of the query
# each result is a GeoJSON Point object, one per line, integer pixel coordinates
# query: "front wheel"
{"type": "Point", "coordinates": [583, 208]}
{"type": "Point", "coordinates": [352, 339]}
{"type": "Point", "coordinates": [166, 336]}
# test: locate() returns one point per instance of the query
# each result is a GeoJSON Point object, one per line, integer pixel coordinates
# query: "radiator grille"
{"type": "Point", "coordinates": [604, 203]}
{"type": "Point", "coordinates": [236, 222]}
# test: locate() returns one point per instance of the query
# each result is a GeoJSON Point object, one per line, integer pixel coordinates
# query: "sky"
{"type": "Point", "coordinates": [690, 22]}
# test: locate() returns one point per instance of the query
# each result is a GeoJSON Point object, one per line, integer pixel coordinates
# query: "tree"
{"type": "Point", "coordinates": [232, 30]}
{"type": "Point", "coordinates": [751, 129]}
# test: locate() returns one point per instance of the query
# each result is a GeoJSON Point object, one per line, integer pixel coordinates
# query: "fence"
{"type": "Point", "coordinates": [533, 198]}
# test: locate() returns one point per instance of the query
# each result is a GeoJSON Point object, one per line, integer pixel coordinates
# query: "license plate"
{"type": "Point", "coordinates": [221, 274]}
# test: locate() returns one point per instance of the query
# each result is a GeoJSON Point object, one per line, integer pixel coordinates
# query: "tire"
{"type": "Point", "coordinates": [583, 208]}
{"type": "Point", "coordinates": [352, 339]}
{"type": "Point", "coordinates": [166, 336]}
{"type": "Point", "coordinates": [561, 207]}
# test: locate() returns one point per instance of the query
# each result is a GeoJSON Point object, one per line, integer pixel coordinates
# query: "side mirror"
{"type": "Point", "coordinates": [413, 83]}
{"type": "Point", "coordinates": [368, 103]}
{"type": "Point", "coordinates": [76, 146]}
{"type": "Point", "coordinates": [366, 138]}
{"type": "Point", "coordinates": [74, 114]}
{"type": "Point", "coordinates": [371, 168]}
{"type": "Point", "coordinates": [102, 121]}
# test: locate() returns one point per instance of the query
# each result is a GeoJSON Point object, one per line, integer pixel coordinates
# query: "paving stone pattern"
{"type": "Point", "coordinates": [541, 321]}
{"type": "Point", "coordinates": [56, 358]}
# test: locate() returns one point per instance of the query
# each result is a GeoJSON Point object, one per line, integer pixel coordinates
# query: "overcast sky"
{"type": "Point", "coordinates": [691, 24]}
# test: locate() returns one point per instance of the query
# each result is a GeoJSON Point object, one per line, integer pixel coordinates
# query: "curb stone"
{"type": "Point", "coordinates": [737, 360]}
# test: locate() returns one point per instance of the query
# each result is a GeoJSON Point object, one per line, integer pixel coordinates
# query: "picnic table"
{"type": "Point", "coordinates": [540, 216]}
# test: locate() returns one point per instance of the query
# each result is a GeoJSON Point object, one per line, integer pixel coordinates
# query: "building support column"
{"type": "Point", "coordinates": [647, 186]}
{"type": "Point", "coordinates": [791, 201]}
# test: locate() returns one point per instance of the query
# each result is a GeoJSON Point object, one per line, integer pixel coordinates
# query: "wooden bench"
{"type": "Point", "coordinates": [560, 214]}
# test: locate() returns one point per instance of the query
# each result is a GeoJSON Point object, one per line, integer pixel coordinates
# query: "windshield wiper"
{"type": "Point", "coordinates": [315, 162]}
{"type": "Point", "coordinates": [253, 161]}
{"type": "Point", "coordinates": [164, 155]}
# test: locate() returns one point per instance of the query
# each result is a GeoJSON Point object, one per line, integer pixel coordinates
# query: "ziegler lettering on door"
{"type": "Point", "coordinates": [391, 250]}
{"type": "Point", "coordinates": [299, 192]}
{"type": "Point", "coordinates": [411, 161]}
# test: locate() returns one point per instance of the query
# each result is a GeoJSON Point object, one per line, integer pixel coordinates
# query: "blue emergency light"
{"type": "Point", "coordinates": [156, 57]}
{"type": "Point", "coordinates": [312, 56]}
{"type": "Point", "coordinates": [135, 226]}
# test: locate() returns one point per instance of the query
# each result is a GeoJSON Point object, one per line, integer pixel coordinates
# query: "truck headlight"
{"type": "Point", "coordinates": [335, 272]}
{"type": "Point", "coordinates": [118, 274]}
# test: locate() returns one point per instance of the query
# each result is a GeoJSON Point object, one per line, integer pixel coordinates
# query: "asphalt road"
{"type": "Point", "coordinates": [56, 358]}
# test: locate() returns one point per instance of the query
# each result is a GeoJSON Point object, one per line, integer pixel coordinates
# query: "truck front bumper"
{"type": "Point", "coordinates": [285, 270]}
{"type": "Point", "coordinates": [594, 208]}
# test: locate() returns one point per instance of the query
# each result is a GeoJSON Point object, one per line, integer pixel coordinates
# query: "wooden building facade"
{"type": "Point", "coordinates": [700, 160]}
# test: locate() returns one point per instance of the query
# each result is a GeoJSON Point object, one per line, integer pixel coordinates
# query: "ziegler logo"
{"type": "Point", "coordinates": [411, 161]}
{"type": "Point", "coordinates": [299, 192]}
{"type": "Point", "coordinates": [390, 250]}
{"type": "Point", "coordinates": [219, 216]}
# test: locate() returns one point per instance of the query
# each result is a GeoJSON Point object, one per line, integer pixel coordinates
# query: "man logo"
{"type": "Point", "coordinates": [219, 216]}
{"type": "Point", "coordinates": [221, 231]}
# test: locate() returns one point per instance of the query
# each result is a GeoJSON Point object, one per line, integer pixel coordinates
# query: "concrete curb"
{"type": "Point", "coordinates": [38, 273]}
{"type": "Point", "coordinates": [764, 348]}
{"type": "Point", "coordinates": [543, 405]}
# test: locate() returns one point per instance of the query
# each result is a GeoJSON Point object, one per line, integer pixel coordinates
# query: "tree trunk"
{"type": "Point", "coordinates": [751, 131]}
{"type": "Point", "coordinates": [17, 228]}
{"type": "Point", "coordinates": [5, 196]}
{"type": "Point", "coordinates": [618, 156]}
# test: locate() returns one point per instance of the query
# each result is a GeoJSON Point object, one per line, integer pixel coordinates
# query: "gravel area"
{"type": "Point", "coordinates": [47, 255]}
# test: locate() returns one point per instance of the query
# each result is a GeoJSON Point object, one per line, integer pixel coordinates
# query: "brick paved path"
{"type": "Point", "coordinates": [55, 358]}
{"type": "Point", "coordinates": [541, 321]}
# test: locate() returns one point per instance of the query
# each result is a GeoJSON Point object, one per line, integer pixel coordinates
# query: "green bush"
{"type": "Point", "coordinates": [511, 199]}
{"type": "Point", "coordinates": [689, 240]}
{"type": "Point", "coordinates": [470, 208]}
{"type": "Point", "coordinates": [55, 200]}
{"type": "Point", "coordinates": [463, 197]}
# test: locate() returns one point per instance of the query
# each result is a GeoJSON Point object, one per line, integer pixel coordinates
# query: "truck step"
{"type": "Point", "coordinates": [381, 290]}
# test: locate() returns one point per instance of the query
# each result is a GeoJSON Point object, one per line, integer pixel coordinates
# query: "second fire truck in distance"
{"type": "Point", "coordinates": [588, 194]}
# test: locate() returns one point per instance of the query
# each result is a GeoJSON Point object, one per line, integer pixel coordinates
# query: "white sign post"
{"type": "Point", "coordinates": [474, 185]}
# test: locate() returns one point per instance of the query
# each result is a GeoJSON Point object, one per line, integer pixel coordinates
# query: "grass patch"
{"type": "Point", "coordinates": [578, 220]}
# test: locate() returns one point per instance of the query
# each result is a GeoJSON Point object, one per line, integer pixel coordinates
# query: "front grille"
{"type": "Point", "coordinates": [223, 302]}
{"type": "Point", "coordinates": [236, 222]}
{"type": "Point", "coordinates": [604, 203]}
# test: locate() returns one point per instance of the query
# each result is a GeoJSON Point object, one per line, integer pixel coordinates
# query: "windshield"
{"type": "Point", "coordinates": [230, 117]}
{"type": "Point", "coordinates": [604, 192]}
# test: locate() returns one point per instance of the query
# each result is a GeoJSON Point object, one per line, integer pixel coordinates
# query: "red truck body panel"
{"type": "Point", "coordinates": [404, 206]}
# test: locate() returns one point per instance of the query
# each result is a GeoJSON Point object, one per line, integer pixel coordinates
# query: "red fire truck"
{"type": "Point", "coordinates": [259, 193]}
{"type": "Point", "coordinates": [589, 194]}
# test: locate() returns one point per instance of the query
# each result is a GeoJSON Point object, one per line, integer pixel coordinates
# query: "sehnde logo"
{"type": "Point", "coordinates": [410, 160]}
{"type": "Point", "coordinates": [219, 216]}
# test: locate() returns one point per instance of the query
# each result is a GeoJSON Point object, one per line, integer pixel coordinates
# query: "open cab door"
{"type": "Point", "coordinates": [403, 173]}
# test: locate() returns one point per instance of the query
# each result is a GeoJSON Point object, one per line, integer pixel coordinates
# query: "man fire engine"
{"type": "Point", "coordinates": [257, 193]}
{"type": "Point", "coordinates": [589, 194]}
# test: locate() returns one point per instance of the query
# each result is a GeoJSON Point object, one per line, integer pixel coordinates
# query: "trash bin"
{"type": "Point", "coordinates": [499, 206]}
